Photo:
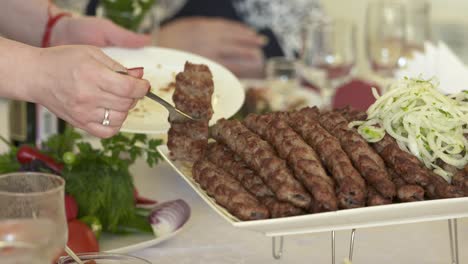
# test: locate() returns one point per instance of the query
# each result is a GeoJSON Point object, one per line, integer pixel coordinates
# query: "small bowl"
{"type": "Point", "coordinates": [103, 258]}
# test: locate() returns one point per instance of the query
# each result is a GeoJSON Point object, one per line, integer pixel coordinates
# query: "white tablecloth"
{"type": "Point", "coordinates": [209, 239]}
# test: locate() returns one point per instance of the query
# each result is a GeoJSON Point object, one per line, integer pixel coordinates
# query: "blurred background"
{"type": "Point", "coordinates": [448, 19]}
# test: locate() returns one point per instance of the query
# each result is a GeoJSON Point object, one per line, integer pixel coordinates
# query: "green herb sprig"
{"type": "Point", "coordinates": [99, 178]}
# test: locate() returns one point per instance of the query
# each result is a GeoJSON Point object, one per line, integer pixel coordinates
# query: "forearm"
{"type": "Point", "coordinates": [17, 67]}
{"type": "Point", "coordinates": [24, 21]}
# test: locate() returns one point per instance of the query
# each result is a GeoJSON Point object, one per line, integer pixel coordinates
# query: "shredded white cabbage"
{"type": "Point", "coordinates": [425, 122]}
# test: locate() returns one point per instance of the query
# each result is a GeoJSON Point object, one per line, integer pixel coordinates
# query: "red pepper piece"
{"type": "Point", "coordinates": [26, 154]}
{"type": "Point", "coordinates": [71, 207]}
{"type": "Point", "coordinates": [142, 200]}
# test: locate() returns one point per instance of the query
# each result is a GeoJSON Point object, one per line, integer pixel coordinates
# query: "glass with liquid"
{"type": "Point", "coordinates": [418, 28]}
{"type": "Point", "coordinates": [282, 79]}
{"type": "Point", "coordinates": [329, 53]}
{"type": "Point", "coordinates": [385, 32]}
{"type": "Point", "coordinates": [33, 227]}
{"type": "Point", "coordinates": [104, 258]}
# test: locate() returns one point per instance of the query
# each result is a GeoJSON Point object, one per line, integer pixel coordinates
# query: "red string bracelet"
{"type": "Point", "coordinates": [52, 20]}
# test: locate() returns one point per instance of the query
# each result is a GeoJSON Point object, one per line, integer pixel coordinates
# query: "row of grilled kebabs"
{"type": "Point", "coordinates": [292, 163]}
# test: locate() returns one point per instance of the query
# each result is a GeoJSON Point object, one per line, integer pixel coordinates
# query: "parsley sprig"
{"type": "Point", "coordinates": [99, 177]}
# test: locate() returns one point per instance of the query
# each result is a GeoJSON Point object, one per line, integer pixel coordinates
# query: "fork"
{"type": "Point", "coordinates": [175, 115]}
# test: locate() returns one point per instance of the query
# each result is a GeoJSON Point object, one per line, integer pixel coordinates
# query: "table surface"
{"type": "Point", "coordinates": [209, 239]}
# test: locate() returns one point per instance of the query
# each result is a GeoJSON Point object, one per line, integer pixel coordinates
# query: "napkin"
{"type": "Point", "coordinates": [437, 61]}
{"type": "Point", "coordinates": [357, 93]}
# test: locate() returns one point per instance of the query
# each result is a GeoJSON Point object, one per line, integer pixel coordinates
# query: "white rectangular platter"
{"type": "Point", "coordinates": [393, 214]}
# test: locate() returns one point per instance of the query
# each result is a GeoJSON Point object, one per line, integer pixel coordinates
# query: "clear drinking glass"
{"type": "Point", "coordinates": [281, 74]}
{"type": "Point", "coordinates": [282, 80]}
{"type": "Point", "coordinates": [104, 258]}
{"type": "Point", "coordinates": [417, 29]}
{"type": "Point", "coordinates": [328, 52]}
{"type": "Point", "coordinates": [385, 35]}
{"type": "Point", "coordinates": [33, 228]}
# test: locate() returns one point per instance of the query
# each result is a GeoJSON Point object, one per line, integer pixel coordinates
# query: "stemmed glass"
{"type": "Point", "coordinates": [394, 31]}
{"type": "Point", "coordinates": [418, 28]}
{"type": "Point", "coordinates": [328, 55]}
{"type": "Point", "coordinates": [33, 228]}
{"type": "Point", "coordinates": [385, 35]}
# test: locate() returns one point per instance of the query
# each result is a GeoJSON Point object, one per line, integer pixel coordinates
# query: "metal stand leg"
{"type": "Point", "coordinates": [333, 246]}
{"type": "Point", "coordinates": [453, 235]}
{"type": "Point", "coordinates": [351, 245]}
{"type": "Point", "coordinates": [277, 252]}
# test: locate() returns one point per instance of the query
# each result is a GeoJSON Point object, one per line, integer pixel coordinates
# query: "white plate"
{"type": "Point", "coordinates": [280, 98]}
{"type": "Point", "coordinates": [124, 244]}
{"type": "Point", "coordinates": [383, 215]}
{"type": "Point", "coordinates": [161, 66]}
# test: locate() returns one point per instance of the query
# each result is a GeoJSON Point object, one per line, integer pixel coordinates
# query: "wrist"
{"type": "Point", "coordinates": [18, 70]}
{"type": "Point", "coordinates": [59, 33]}
{"type": "Point", "coordinates": [32, 82]}
{"type": "Point", "coordinates": [55, 27]}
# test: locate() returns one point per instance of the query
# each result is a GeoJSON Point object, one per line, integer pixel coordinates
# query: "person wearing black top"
{"type": "Point", "coordinates": [237, 33]}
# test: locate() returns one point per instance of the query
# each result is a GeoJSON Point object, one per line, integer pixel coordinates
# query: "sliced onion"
{"type": "Point", "coordinates": [169, 216]}
{"type": "Point", "coordinates": [423, 121]}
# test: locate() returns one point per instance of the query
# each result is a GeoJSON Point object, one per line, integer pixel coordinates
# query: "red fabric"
{"type": "Point", "coordinates": [356, 93]}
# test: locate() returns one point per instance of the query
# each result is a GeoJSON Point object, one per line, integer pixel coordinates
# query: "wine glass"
{"type": "Point", "coordinates": [385, 35]}
{"type": "Point", "coordinates": [328, 55]}
{"type": "Point", "coordinates": [33, 228]}
{"type": "Point", "coordinates": [417, 28]}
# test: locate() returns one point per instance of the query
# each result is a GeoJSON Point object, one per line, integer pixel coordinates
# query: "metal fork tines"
{"type": "Point", "coordinates": [175, 115]}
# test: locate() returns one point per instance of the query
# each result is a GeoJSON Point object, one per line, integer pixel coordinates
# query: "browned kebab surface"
{"type": "Point", "coordinates": [328, 147]}
{"type": "Point", "coordinates": [300, 157]}
{"type": "Point", "coordinates": [365, 159]}
{"type": "Point", "coordinates": [261, 157]}
{"type": "Point", "coordinates": [460, 179]}
{"type": "Point", "coordinates": [406, 192]}
{"type": "Point", "coordinates": [413, 171]}
{"type": "Point", "coordinates": [194, 87]}
{"type": "Point", "coordinates": [227, 191]}
{"type": "Point", "coordinates": [410, 169]}
{"type": "Point", "coordinates": [375, 198]}
{"type": "Point", "coordinates": [225, 159]}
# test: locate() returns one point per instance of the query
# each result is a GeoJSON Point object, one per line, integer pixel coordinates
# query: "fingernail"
{"type": "Point", "coordinates": [135, 68]}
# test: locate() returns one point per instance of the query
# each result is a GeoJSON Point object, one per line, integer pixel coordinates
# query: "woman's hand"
{"type": "Point", "coordinates": [232, 44]}
{"type": "Point", "coordinates": [95, 31]}
{"type": "Point", "coordinates": [78, 83]}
